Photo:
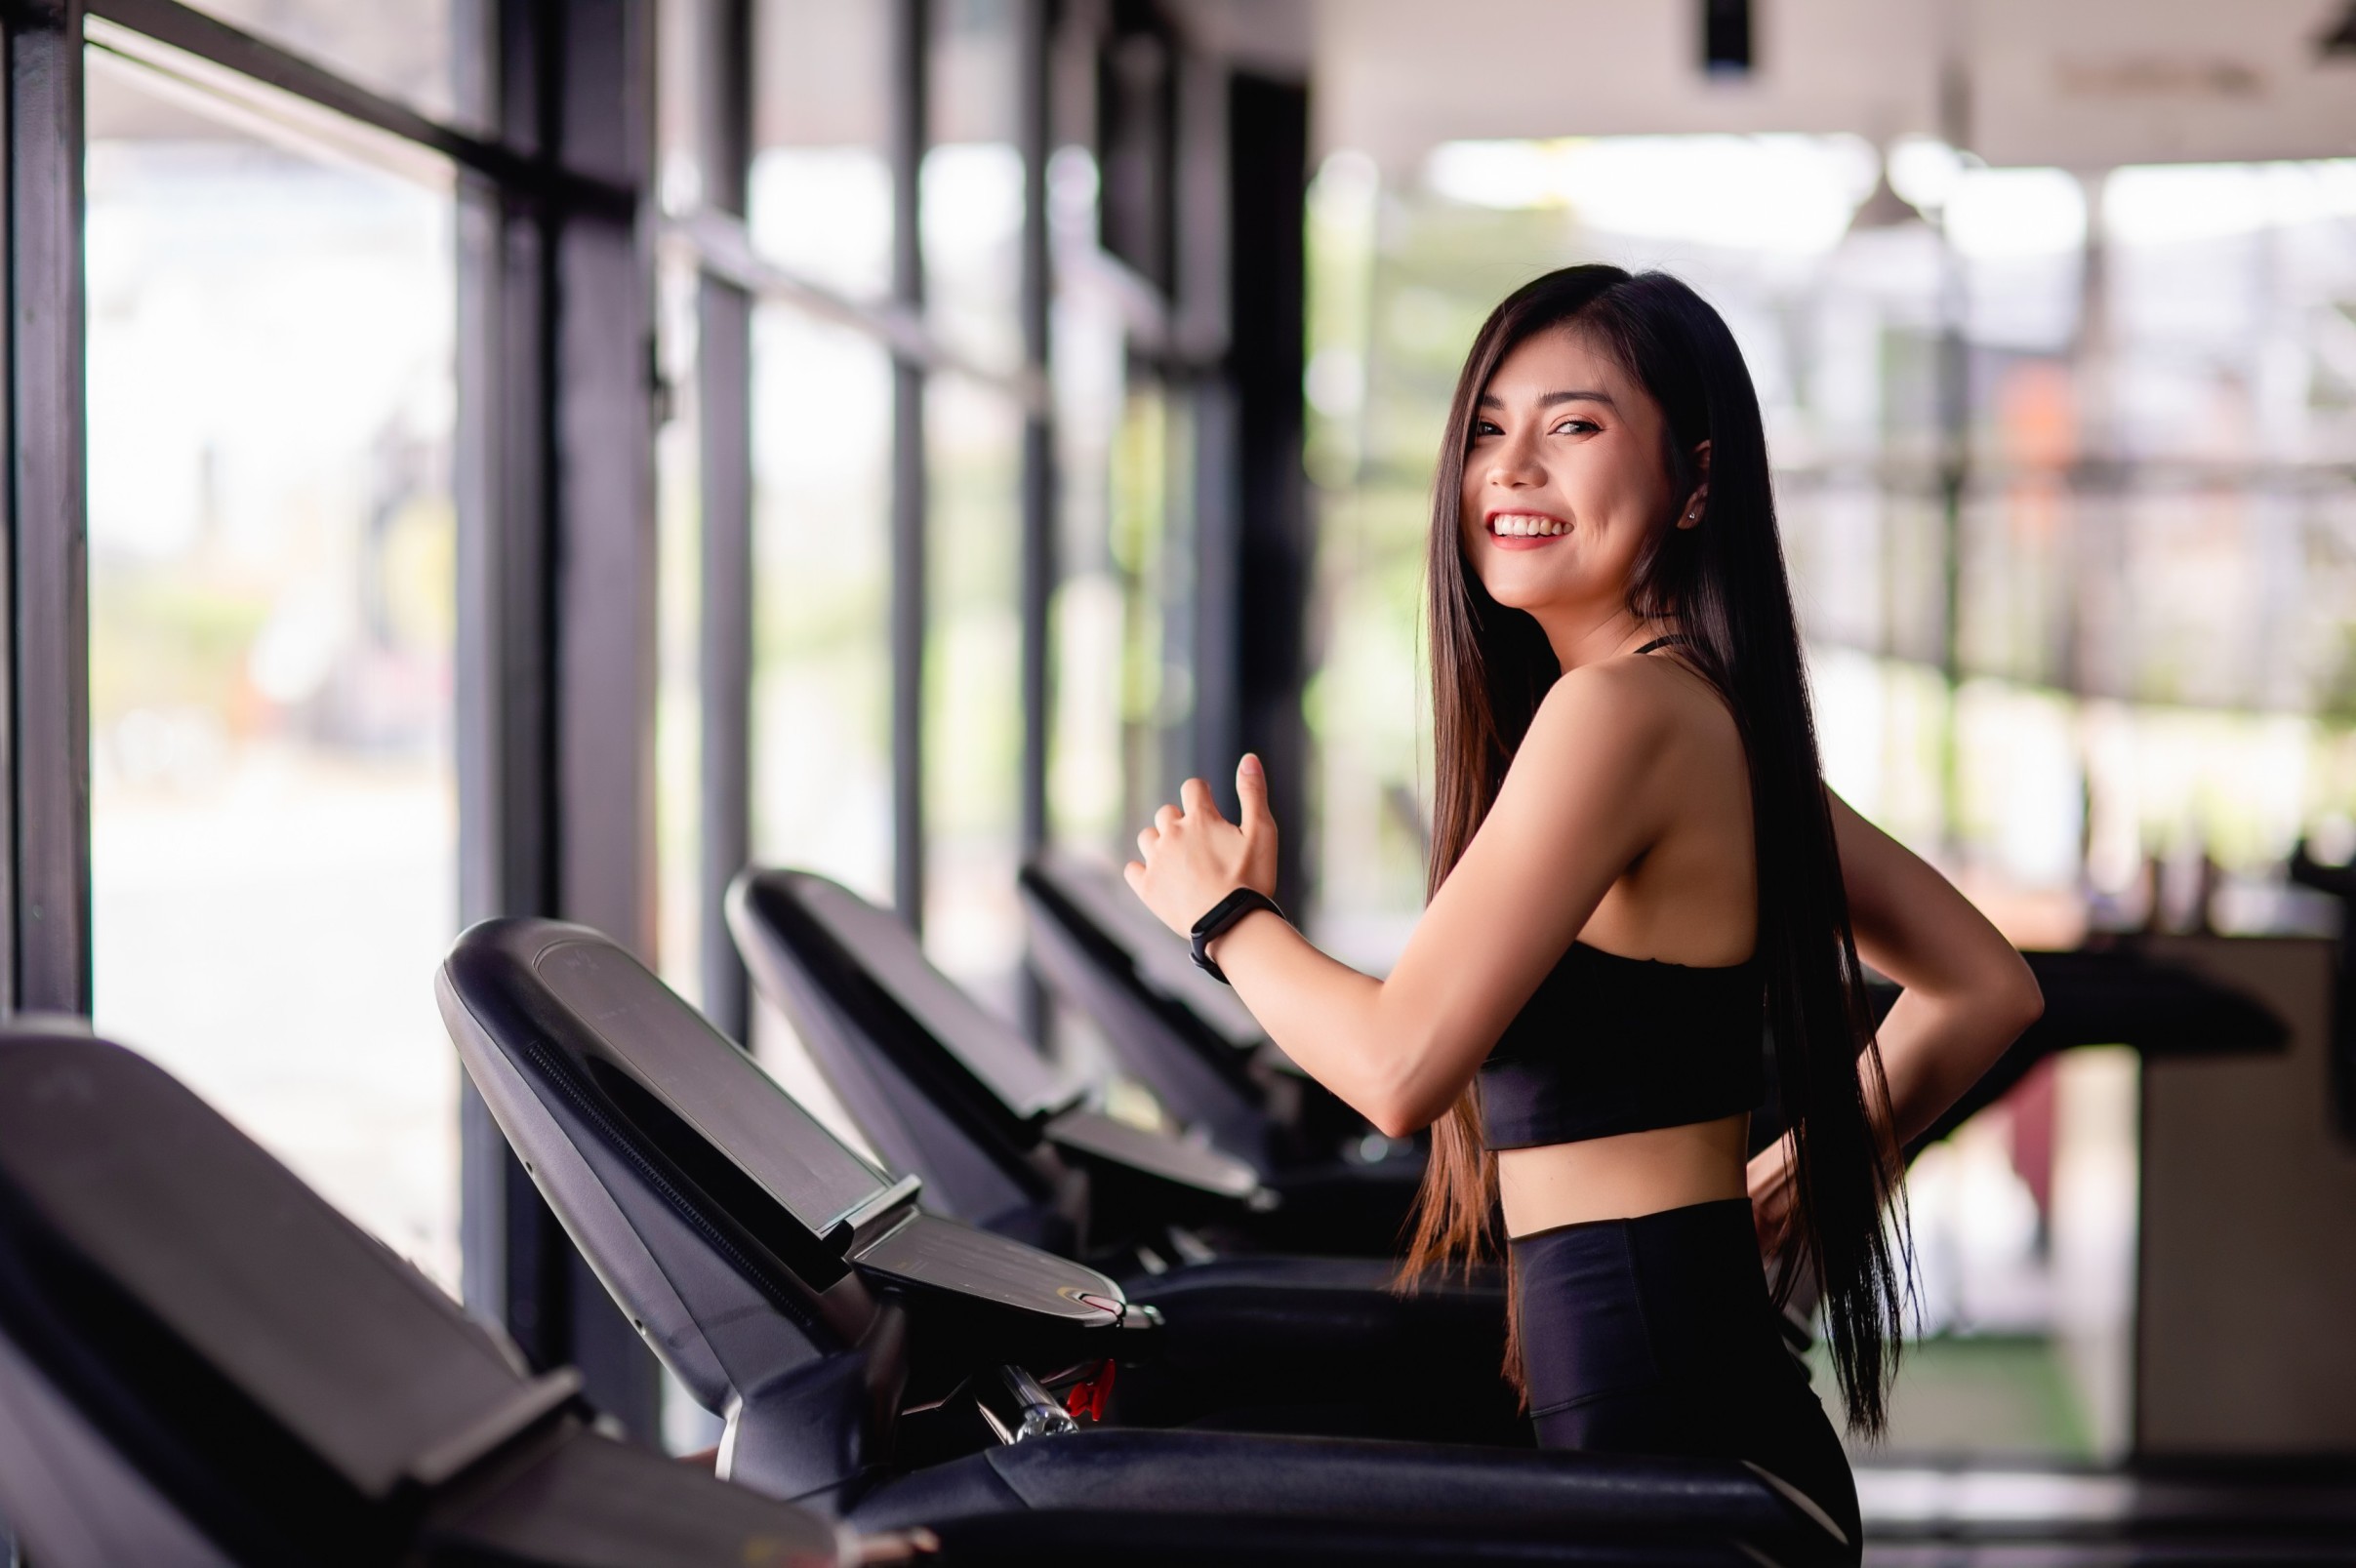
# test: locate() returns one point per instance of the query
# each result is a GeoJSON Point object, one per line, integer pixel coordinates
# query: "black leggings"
{"type": "Point", "coordinates": [1655, 1335]}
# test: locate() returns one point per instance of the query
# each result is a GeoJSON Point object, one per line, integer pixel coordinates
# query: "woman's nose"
{"type": "Point", "coordinates": [1513, 465]}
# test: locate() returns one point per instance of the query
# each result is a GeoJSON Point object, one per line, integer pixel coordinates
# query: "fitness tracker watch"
{"type": "Point", "coordinates": [1225, 912]}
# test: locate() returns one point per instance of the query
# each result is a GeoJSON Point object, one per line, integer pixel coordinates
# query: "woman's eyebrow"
{"type": "Point", "coordinates": [1551, 399]}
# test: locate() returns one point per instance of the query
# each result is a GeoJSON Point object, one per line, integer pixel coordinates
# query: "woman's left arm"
{"type": "Point", "coordinates": [1966, 995]}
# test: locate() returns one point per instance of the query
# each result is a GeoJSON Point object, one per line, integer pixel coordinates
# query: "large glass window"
{"type": "Point", "coordinates": [972, 188]}
{"type": "Point", "coordinates": [271, 547]}
{"type": "Point", "coordinates": [822, 189]}
{"type": "Point", "coordinates": [821, 577]}
{"type": "Point", "coordinates": [820, 208]}
{"type": "Point", "coordinates": [403, 49]}
{"type": "Point", "coordinates": [678, 716]}
{"type": "Point", "coordinates": [1089, 371]}
{"type": "Point", "coordinates": [973, 698]}
{"type": "Point", "coordinates": [972, 195]}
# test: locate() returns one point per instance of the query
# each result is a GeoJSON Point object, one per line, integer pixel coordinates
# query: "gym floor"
{"type": "Point", "coordinates": [1969, 1513]}
{"type": "Point", "coordinates": [1990, 1460]}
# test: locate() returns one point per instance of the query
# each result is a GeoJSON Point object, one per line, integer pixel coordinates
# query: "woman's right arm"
{"type": "Point", "coordinates": [1588, 792]}
{"type": "Point", "coordinates": [1966, 994]}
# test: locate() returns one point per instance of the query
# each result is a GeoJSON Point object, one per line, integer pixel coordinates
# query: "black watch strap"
{"type": "Point", "coordinates": [1225, 912]}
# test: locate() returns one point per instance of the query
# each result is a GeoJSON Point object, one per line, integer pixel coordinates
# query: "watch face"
{"type": "Point", "coordinates": [1221, 912]}
{"type": "Point", "coordinates": [1225, 912]}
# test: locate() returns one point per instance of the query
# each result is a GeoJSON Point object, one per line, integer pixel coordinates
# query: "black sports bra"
{"type": "Point", "coordinates": [1609, 1045]}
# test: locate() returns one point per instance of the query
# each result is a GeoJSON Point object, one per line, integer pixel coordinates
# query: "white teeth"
{"type": "Point", "coordinates": [1522, 525]}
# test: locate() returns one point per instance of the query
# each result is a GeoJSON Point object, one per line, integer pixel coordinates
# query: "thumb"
{"type": "Point", "coordinates": [1251, 793]}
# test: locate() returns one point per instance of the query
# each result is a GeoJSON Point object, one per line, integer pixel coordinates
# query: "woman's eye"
{"type": "Point", "coordinates": [1481, 428]}
{"type": "Point", "coordinates": [1576, 428]}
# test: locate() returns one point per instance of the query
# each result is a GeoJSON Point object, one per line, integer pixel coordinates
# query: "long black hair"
{"type": "Point", "coordinates": [1722, 585]}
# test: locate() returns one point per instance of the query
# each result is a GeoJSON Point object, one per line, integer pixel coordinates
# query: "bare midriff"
{"type": "Point", "coordinates": [1622, 1177]}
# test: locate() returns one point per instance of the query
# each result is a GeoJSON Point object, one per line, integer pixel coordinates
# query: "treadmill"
{"type": "Point", "coordinates": [203, 1364]}
{"type": "Point", "coordinates": [1188, 1038]}
{"type": "Point", "coordinates": [952, 1095]}
{"type": "Point", "coordinates": [892, 1368]}
{"type": "Point", "coordinates": [945, 1089]}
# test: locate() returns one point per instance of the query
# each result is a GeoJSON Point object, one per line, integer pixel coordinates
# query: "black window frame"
{"type": "Point", "coordinates": [555, 461]}
{"type": "Point", "coordinates": [558, 230]}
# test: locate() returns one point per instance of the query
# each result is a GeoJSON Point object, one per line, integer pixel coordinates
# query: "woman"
{"type": "Point", "coordinates": [1636, 866]}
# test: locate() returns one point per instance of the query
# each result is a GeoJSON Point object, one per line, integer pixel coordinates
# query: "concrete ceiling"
{"type": "Point", "coordinates": [2083, 83]}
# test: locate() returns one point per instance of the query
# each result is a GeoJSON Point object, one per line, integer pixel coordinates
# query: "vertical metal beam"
{"type": "Point", "coordinates": [48, 650]}
{"type": "Point", "coordinates": [1215, 727]}
{"type": "Point", "coordinates": [1136, 141]}
{"type": "Point", "coordinates": [2093, 488]}
{"type": "Point", "coordinates": [1039, 564]}
{"type": "Point", "coordinates": [723, 77]}
{"type": "Point", "coordinates": [556, 608]}
{"type": "Point", "coordinates": [1952, 406]}
{"type": "Point", "coordinates": [1268, 163]}
{"type": "Point", "coordinates": [604, 482]}
{"type": "Point", "coordinates": [513, 1256]}
{"type": "Point", "coordinates": [1038, 568]}
{"type": "Point", "coordinates": [506, 806]}
{"type": "Point", "coordinates": [1202, 188]}
{"type": "Point", "coordinates": [603, 530]}
{"type": "Point", "coordinates": [1952, 366]}
{"type": "Point", "coordinates": [911, 92]}
{"type": "Point", "coordinates": [506, 800]}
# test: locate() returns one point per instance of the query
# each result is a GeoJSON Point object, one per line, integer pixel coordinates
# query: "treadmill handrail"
{"type": "Point", "coordinates": [120, 1169]}
{"type": "Point", "coordinates": [571, 957]}
{"type": "Point", "coordinates": [139, 1425]}
{"type": "Point", "coordinates": [975, 1299]}
{"type": "Point", "coordinates": [1095, 1135]}
{"type": "Point", "coordinates": [920, 1103]}
{"type": "Point", "coordinates": [887, 954]}
{"type": "Point", "coordinates": [1158, 958]}
{"type": "Point", "coordinates": [766, 900]}
{"type": "Point", "coordinates": [534, 1029]}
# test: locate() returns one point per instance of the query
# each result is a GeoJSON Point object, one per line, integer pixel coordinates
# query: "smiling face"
{"type": "Point", "coordinates": [1564, 479]}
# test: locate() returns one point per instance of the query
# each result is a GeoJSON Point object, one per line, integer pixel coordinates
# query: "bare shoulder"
{"type": "Point", "coordinates": [1639, 701]}
{"type": "Point", "coordinates": [1617, 755]}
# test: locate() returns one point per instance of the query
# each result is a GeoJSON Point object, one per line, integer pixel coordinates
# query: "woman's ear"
{"type": "Point", "coordinates": [1690, 517]}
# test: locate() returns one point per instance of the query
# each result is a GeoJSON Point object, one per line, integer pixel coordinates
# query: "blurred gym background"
{"type": "Point", "coordinates": [910, 435]}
